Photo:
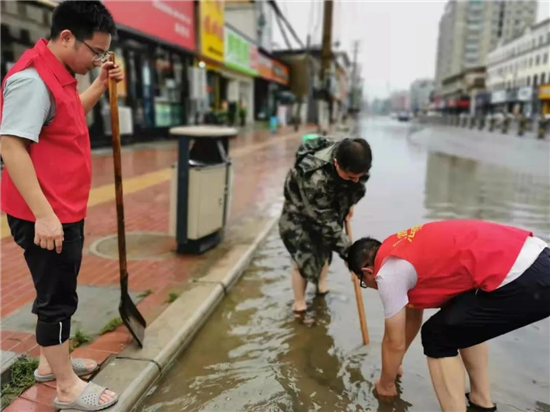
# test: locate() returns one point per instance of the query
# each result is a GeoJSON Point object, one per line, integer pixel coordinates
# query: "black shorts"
{"type": "Point", "coordinates": [476, 316]}
{"type": "Point", "coordinates": [54, 276]}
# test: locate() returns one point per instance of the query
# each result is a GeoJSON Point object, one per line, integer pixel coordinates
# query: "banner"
{"type": "Point", "coordinates": [170, 21]}
{"type": "Point", "coordinates": [212, 29]}
{"type": "Point", "coordinates": [280, 72]}
{"type": "Point", "coordinates": [544, 92]}
{"type": "Point", "coordinates": [240, 54]}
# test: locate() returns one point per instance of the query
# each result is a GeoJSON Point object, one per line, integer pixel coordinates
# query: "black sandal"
{"type": "Point", "coordinates": [479, 408]}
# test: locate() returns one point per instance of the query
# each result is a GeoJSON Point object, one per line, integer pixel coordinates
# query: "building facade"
{"type": "Point", "coordinates": [468, 31]}
{"type": "Point", "coordinates": [420, 93]}
{"type": "Point", "coordinates": [516, 70]}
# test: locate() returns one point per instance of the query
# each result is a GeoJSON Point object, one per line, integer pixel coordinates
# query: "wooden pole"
{"type": "Point", "coordinates": [359, 297]}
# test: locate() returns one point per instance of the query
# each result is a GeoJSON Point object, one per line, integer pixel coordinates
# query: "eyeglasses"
{"type": "Point", "coordinates": [362, 282]}
{"type": "Point", "coordinates": [98, 57]}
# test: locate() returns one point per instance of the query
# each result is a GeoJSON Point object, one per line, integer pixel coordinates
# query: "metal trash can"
{"type": "Point", "coordinates": [201, 187]}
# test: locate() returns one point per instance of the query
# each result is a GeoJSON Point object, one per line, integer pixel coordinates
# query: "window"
{"type": "Point", "coordinates": [535, 80]}
{"type": "Point", "coordinates": [531, 62]}
{"type": "Point", "coordinates": [545, 58]}
{"type": "Point", "coordinates": [528, 80]}
{"type": "Point", "coordinates": [542, 78]}
{"type": "Point", "coordinates": [537, 61]}
{"type": "Point", "coordinates": [541, 40]}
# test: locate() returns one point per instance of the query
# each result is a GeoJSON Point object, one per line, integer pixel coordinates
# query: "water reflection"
{"type": "Point", "coordinates": [253, 356]}
{"type": "Point", "coordinates": [463, 188]}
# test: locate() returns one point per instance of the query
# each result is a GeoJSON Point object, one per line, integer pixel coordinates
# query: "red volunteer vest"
{"type": "Point", "coordinates": [62, 157]}
{"type": "Point", "coordinates": [454, 256]}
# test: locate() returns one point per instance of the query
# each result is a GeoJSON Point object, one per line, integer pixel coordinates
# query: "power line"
{"type": "Point", "coordinates": [281, 16]}
{"type": "Point", "coordinates": [283, 32]}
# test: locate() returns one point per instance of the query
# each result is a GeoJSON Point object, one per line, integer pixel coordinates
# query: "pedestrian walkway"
{"type": "Point", "coordinates": [260, 161]}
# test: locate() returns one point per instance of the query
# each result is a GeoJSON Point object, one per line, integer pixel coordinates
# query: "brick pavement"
{"type": "Point", "coordinates": [260, 160]}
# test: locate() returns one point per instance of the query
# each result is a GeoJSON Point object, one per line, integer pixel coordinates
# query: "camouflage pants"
{"type": "Point", "coordinates": [304, 244]}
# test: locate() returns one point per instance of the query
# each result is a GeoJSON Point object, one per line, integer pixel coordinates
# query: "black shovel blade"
{"type": "Point", "coordinates": [133, 320]}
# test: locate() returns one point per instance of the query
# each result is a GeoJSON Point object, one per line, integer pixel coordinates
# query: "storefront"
{"type": "Point", "coordinates": [156, 46]}
{"type": "Point", "coordinates": [212, 38]}
{"type": "Point", "coordinates": [241, 62]}
{"type": "Point", "coordinates": [498, 101]}
{"type": "Point", "coordinates": [527, 101]}
{"type": "Point", "coordinates": [271, 81]}
{"type": "Point", "coordinates": [23, 24]}
{"type": "Point", "coordinates": [483, 101]}
{"type": "Point", "coordinates": [544, 97]}
{"type": "Point", "coordinates": [457, 105]}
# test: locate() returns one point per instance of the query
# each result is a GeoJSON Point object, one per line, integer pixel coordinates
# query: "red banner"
{"type": "Point", "coordinates": [171, 21]}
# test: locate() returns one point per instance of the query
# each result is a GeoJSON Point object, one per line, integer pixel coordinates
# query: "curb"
{"type": "Point", "coordinates": [132, 372]}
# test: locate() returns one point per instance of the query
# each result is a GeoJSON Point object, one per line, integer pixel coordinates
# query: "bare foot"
{"type": "Point", "coordinates": [322, 290]}
{"type": "Point", "coordinates": [71, 393]}
{"type": "Point", "coordinates": [298, 307]}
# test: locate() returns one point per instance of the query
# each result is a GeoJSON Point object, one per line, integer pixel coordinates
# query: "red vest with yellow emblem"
{"type": "Point", "coordinates": [62, 157]}
{"type": "Point", "coordinates": [454, 256]}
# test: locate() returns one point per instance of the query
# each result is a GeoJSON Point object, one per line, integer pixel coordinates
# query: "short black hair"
{"type": "Point", "coordinates": [82, 18]}
{"type": "Point", "coordinates": [362, 253]}
{"type": "Point", "coordinates": [354, 155]}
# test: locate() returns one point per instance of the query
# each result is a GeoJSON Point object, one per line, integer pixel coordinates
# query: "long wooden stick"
{"type": "Point", "coordinates": [115, 131]}
{"type": "Point", "coordinates": [359, 297]}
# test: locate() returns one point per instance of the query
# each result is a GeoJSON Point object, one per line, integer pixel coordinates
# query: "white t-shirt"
{"type": "Point", "coordinates": [397, 276]}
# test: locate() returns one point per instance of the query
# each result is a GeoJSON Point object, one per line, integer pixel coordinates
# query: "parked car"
{"type": "Point", "coordinates": [404, 116]}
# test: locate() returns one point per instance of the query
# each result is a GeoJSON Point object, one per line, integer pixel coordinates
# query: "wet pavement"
{"type": "Point", "coordinates": [253, 356]}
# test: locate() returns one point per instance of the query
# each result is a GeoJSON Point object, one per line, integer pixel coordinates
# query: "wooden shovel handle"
{"type": "Point", "coordinates": [359, 297]}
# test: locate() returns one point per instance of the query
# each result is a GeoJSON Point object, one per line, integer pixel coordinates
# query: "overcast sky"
{"type": "Point", "coordinates": [398, 38]}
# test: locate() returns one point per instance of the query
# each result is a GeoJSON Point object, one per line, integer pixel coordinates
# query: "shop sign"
{"type": "Point", "coordinates": [280, 73]}
{"type": "Point", "coordinates": [544, 92]}
{"type": "Point", "coordinates": [498, 97]}
{"type": "Point", "coordinates": [512, 95]}
{"type": "Point", "coordinates": [170, 21]}
{"type": "Point", "coordinates": [451, 102]}
{"type": "Point", "coordinates": [240, 54]}
{"type": "Point", "coordinates": [482, 99]}
{"type": "Point", "coordinates": [212, 28]}
{"type": "Point", "coordinates": [265, 67]}
{"type": "Point", "coordinates": [463, 103]}
{"type": "Point", "coordinates": [525, 94]}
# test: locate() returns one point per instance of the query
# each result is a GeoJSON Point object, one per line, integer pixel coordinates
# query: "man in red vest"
{"type": "Point", "coordinates": [488, 279]}
{"type": "Point", "coordinates": [46, 182]}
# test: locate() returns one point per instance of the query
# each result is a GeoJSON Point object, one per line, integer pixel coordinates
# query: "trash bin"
{"type": "Point", "coordinates": [201, 187]}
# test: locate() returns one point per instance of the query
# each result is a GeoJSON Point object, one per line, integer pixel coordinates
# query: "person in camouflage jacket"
{"type": "Point", "coordinates": [327, 180]}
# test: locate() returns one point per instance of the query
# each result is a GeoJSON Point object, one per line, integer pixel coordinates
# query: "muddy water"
{"type": "Point", "coordinates": [253, 356]}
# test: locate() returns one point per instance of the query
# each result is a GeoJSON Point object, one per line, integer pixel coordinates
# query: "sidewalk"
{"type": "Point", "coordinates": [260, 160]}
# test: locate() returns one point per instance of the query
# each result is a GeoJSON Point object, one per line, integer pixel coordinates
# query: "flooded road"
{"type": "Point", "coordinates": [253, 356]}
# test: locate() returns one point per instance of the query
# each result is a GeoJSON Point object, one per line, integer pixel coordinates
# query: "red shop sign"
{"type": "Point", "coordinates": [171, 21]}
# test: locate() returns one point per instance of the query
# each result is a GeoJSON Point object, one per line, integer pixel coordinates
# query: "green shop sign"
{"type": "Point", "coordinates": [240, 54]}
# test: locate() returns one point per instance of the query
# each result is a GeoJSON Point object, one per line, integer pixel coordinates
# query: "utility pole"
{"type": "Point", "coordinates": [326, 55]}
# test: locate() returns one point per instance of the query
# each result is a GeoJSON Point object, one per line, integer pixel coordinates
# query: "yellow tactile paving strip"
{"type": "Point", "coordinates": [106, 193]}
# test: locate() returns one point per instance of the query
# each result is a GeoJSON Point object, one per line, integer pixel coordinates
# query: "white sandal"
{"type": "Point", "coordinates": [88, 400]}
{"type": "Point", "coordinates": [80, 367]}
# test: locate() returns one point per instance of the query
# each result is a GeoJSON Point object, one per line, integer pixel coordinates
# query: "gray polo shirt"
{"type": "Point", "coordinates": [28, 105]}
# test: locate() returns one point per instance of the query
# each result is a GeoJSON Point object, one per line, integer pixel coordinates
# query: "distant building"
{"type": "Point", "coordinates": [420, 94]}
{"type": "Point", "coordinates": [517, 70]}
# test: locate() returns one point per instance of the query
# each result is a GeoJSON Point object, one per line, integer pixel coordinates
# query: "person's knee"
{"type": "Point", "coordinates": [53, 333]}
{"type": "Point", "coordinates": [435, 342]}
